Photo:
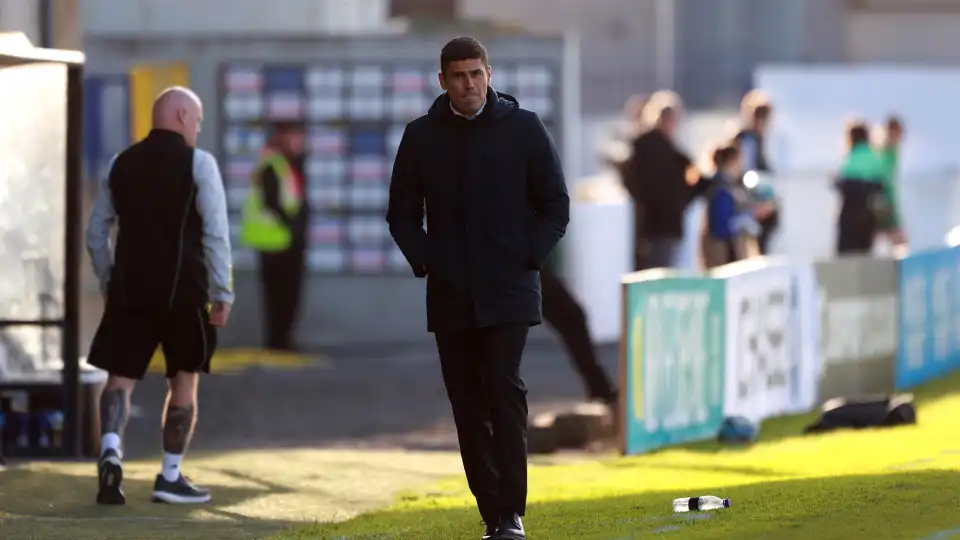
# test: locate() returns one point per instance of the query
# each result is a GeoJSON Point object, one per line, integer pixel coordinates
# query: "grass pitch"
{"type": "Point", "coordinates": [898, 483]}
{"type": "Point", "coordinates": [883, 484]}
{"type": "Point", "coordinates": [255, 494]}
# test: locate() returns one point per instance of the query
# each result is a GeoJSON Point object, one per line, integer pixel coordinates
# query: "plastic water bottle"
{"type": "Point", "coordinates": [696, 504]}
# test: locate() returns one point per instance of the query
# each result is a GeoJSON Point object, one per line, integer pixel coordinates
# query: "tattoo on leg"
{"type": "Point", "coordinates": [178, 428]}
{"type": "Point", "coordinates": [114, 411]}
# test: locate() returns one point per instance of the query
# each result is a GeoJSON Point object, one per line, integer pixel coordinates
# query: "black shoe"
{"type": "Point", "coordinates": [491, 530]}
{"type": "Point", "coordinates": [179, 492]}
{"type": "Point", "coordinates": [110, 474]}
{"type": "Point", "coordinates": [510, 528]}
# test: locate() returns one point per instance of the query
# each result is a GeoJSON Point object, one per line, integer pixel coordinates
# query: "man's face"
{"type": "Point", "coordinates": [191, 117]}
{"type": "Point", "coordinates": [292, 141]}
{"type": "Point", "coordinates": [466, 82]}
{"type": "Point", "coordinates": [669, 122]}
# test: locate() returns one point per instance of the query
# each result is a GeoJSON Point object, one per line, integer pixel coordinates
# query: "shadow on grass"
{"type": "Point", "coordinates": [786, 427]}
{"type": "Point", "coordinates": [42, 504]}
{"type": "Point", "coordinates": [910, 506]}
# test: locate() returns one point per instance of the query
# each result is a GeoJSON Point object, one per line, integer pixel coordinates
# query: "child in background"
{"type": "Point", "coordinates": [731, 228]}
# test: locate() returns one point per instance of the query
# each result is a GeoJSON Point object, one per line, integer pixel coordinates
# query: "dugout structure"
{"type": "Point", "coordinates": [41, 102]}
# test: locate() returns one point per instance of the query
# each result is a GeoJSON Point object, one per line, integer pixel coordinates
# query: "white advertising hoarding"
{"type": "Point", "coordinates": [772, 322]}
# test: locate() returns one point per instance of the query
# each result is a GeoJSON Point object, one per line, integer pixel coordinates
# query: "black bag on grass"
{"type": "Point", "coordinates": [866, 412]}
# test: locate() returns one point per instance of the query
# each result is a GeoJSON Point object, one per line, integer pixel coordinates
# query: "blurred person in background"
{"type": "Point", "coordinates": [864, 204]}
{"type": "Point", "coordinates": [168, 284]}
{"type": "Point", "coordinates": [565, 314]}
{"type": "Point", "coordinates": [488, 177]}
{"type": "Point", "coordinates": [730, 228]}
{"type": "Point", "coordinates": [889, 152]}
{"type": "Point", "coordinates": [275, 222]}
{"type": "Point", "coordinates": [757, 112]}
{"type": "Point", "coordinates": [662, 181]}
{"type": "Point", "coordinates": [616, 152]}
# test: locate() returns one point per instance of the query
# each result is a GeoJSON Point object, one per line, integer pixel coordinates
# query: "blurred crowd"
{"type": "Point", "coordinates": [736, 182]}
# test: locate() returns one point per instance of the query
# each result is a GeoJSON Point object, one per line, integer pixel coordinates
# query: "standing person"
{"type": "Point", "coordinates": [275, 221]}
{"type": "Point", "coordinates": [864, 204]}
{"type": "Point", "coordinates": [757, 111]}
{"type": "Point", "coordinates": [496, 202]}
{"type": "Point", "coordinates": [562, 311]}
{"type": "Point", "coordinates": [731, 230]}
{"type": "Point", "coordinates": [889, 153]}
{"type": "Point", "coordinates": [662, 181]}
{"type": "Point", "coordinates": [172, 260]}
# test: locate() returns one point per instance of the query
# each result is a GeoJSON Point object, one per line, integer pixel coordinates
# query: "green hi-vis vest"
{"type": "Point", "coordinates": [261, 229]}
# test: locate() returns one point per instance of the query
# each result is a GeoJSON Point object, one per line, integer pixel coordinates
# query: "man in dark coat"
{"type": "Point", "coordinates": [488, 177]}
{"type": "Point", "coordinates": [663, 182]}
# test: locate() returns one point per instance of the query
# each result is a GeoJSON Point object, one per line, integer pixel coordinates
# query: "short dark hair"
{"type": "Point", "coordinates": [724, 153]}
{"type": "Point", "coordinates": [762, 112]}
{"type": "Point", "coordinates": [755, 105]}
{"type": "Point", "coordinates": [858, 132]}
{"type": "Point", "coordinates": [283, 127]}
{"type": "Point", "coordinates": [462, 48]}
{"type": "Point", "coordinates": [667, 112]}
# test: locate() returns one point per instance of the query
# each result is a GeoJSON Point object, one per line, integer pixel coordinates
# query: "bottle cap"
{"type": "Point", "coordinates": [726, 503]}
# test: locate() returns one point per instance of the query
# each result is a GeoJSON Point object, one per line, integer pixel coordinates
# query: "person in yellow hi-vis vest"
{"type": "Point", "coordinates": [275, 219]}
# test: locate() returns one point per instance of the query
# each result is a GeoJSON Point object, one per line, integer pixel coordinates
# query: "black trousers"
{"type": "Point", "coordinates": [481, 370]}
{"type": "Point", "coordinates": [281, 280]}
{"type": "Point", "coordinates": [857, 224]}
{"type": "Point", "coordinates": [562, 311]}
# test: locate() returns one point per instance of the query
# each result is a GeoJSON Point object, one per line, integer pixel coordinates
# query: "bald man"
{"type": "Point", "coordinates": [168, 284]}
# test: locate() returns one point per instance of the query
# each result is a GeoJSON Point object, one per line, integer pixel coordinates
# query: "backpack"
{"type": "Point", "coordinates": [866, 412]}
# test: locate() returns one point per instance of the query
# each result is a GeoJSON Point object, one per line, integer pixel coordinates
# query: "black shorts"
{"type": "Point", "coordinates": [128, 338]}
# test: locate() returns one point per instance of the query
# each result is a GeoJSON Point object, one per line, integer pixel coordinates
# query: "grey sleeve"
{"type": "Point", "coordinates": [101, 221]}
{"type": "Point", "coordinates": [212, 206]}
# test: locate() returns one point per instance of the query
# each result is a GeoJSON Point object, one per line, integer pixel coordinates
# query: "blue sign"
{"type": "Point", "coordinates": [674, 361]}
{"type": "Point", "coordinates": [929, 317]}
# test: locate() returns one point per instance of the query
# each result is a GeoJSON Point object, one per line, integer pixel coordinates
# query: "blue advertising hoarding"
{"type": "Point", "coordinates": [929, 317]}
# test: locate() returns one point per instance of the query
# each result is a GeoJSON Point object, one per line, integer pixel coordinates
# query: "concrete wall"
{"type": "Point", "coordinates": [169, 18]}
{"type": "Point", "coordinates": [618, 40]}
{"type": "Point", "coordinates": [715, 44]}
{"type": "Point", "coordinates": [891, 37]}
{"type": "Point", "coordinates": [21, 16]}
{"type": "Point", "coordinates": [25, 16]}
{"type": "Point", "coordinates": [715, 48]}
{"type": "Point", "coordinates": [67, 30]}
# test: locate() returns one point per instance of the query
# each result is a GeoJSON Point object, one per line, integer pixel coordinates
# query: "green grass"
{"type": "Point", "coordinates": [880, 484]}
{"type": "Point", "coordinates": [255, 494]}
{"type": "Point", "coordinates": [875, 484]}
